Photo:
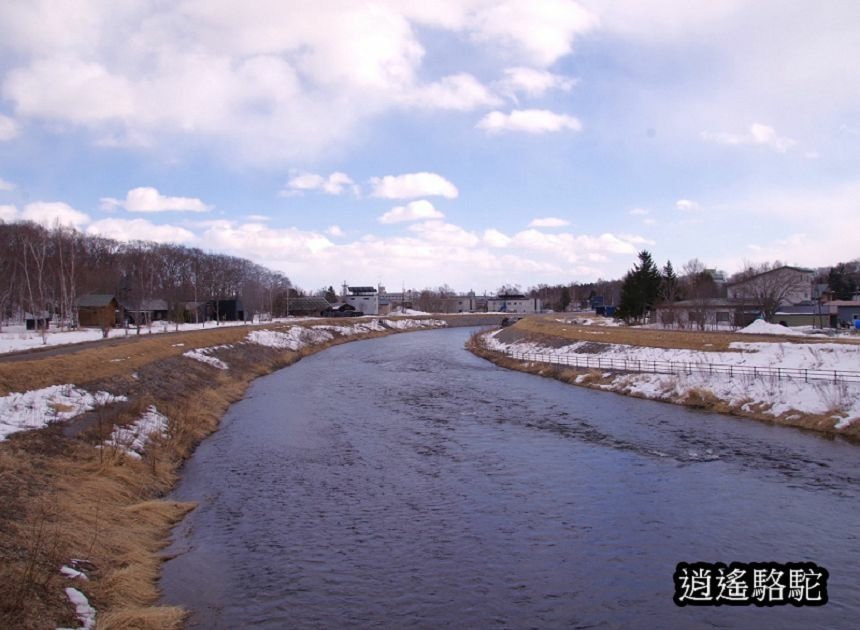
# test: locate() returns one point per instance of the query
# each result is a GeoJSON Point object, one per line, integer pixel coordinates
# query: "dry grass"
{"type": "Point", "coordinates": [546, 329]}
{"type": "Point", "coordinates": [62, 498]}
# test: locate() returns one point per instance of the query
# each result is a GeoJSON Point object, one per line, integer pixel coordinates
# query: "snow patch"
{"type": "Point", "coordinates": [203, 355]}
{"type": "Point", "coordinates": [86, 613]}
{"type": "Point", "coordinates": [408, 324]}
{"type": "Point", "coordinates": [37, 408]}
{"type": "Point", "coordinates": [132, 439]}
{"type": "Point", "coordinates": [294, 338]}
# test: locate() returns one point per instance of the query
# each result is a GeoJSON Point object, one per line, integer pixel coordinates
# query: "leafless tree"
{"type": "Point", "coordinates": [770, 285]}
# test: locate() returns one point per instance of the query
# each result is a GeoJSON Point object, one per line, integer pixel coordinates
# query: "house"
{"type": "Point", "coordinates": [225, 310]}
{"type": "Point", "coordinates": [513, 303]}
{"type": "Point", "coordinates": [100, 310]}
{"type": "Point", "coordinates": [307, 306]}
{"type": "Point", "coordinates": [364, 299]}
{"type": "Point", "coordinates": [39, 321]}
{"type": "Point", "coordinates": [807, 314]}
{"type": "Point", "coordinates": [706, 313]}
{"type": "Point", "coordinates": [459, 304]}
{"type": "Point", "coordinates": [846, 311]}
{"type": "Point", "coordinates": [790, 285]}
{"type": "Point", "coordinates": [146, 311]}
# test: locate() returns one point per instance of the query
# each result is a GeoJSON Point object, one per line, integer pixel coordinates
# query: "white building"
{"type": "Point", "coordinates": [364, 299]}
{"type": "Point", "coordinates": [514, 303]}
{"type": "Point", "coordinates": [791, 285]}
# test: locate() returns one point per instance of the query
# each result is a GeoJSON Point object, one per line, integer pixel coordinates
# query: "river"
{"type": "Point", "coordinates": [403, 482]}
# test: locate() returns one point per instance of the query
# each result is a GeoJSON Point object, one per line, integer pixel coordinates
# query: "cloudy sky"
{"type": "Point", "coordinates": [421, 142]}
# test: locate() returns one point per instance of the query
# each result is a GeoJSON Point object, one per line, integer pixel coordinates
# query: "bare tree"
{"type": "Point", "coordinates": [771, 285]}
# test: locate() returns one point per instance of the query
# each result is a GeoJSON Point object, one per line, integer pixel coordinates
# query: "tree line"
{"type": "Point", "coordinates": [44, 271]}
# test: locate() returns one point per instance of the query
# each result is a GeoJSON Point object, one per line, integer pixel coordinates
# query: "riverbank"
{"type": "Point", "coordinates": [826, 406]}
{"type": "Point", "coordinates": [95, 437]}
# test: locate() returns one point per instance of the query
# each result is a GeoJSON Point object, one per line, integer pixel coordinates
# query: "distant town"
{"type": "Point", "coordinates": [59, 278]}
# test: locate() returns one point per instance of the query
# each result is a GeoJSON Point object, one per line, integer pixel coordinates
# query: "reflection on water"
{"type": "Point", "coordinates": [404, 482]}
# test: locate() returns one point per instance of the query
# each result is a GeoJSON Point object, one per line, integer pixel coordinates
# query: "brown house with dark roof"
{"type": "Point", "coordinates": [98, 309]}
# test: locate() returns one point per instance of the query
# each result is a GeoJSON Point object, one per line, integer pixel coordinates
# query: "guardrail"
{"type": "Point", "coordinates": [678, 367]}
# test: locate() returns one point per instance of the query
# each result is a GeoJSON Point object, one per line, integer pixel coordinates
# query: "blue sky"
{"type": "Point", "coordinates": [474, 142]}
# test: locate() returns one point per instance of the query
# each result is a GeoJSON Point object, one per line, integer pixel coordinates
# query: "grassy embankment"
{"type": "Point", "coordinates": [549, 332]}
{"type": "Point", "coordinates": [63, 498]}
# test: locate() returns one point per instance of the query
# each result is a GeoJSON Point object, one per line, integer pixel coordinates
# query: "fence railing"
{"type": "Point", "coordinates": [679, 367]}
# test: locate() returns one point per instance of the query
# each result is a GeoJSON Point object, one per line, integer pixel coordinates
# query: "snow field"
{"type": "Point", "coordinates": [37, 408]}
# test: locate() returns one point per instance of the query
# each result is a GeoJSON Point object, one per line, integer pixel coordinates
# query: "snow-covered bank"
{"type": "Point", "coordinates": [768, 396]}
{"type": "Point", "coordinates": [297, 337]}
{"type": "Point", "coordinates": [35, 409]}
{"type": "Point", "coordinates": [16, 338]}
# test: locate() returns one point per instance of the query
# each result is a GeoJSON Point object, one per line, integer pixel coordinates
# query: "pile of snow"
{"type": "Point", "coordinates": [202, 355]}
{"type": "Point", "coordinates": [761, 327]}
{"type": "Point", "coordinates": [86, 613]}
{"type": "Point", "coordinates": [132, 439]}
{"type": "Point", "coordinates": [39, 407]}
{"type": "Point", "coordinates": [407, 311]}
{"type": "Point", "coordinates": [743, 391]}
{"type": "Point", "coordinates": [408, 324]}
{"type": "Point", "coordinates": [294, 338]}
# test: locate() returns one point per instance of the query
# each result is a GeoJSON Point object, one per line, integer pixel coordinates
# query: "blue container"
{"type": "Point", "coordinates": [857, 324]}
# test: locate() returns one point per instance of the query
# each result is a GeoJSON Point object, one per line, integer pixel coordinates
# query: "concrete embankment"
{"type": "Point", "coordinates": [85, 495]}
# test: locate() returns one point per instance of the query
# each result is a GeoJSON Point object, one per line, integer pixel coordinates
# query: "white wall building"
{"type": "Point", "coordinates": [364, 299]}
{"type": "Point", "coordinates": [514, 304]}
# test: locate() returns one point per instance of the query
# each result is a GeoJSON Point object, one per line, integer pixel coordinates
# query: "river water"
{"type": "Point", "coordinates": [403, 482]}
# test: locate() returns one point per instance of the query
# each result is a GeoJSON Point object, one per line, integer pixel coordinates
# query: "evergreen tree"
{"type": "Point", "coordinates": [640, 289]}
{"type": "Point", "coordinates": [330, 295]}
{"type": "Point", "coordinates": [564, 299]}
{"type": "Point", "coordinates": [669, 286]}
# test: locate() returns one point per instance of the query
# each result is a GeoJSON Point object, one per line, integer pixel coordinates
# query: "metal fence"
{"type": "Point", "coordinates": [679, 367]}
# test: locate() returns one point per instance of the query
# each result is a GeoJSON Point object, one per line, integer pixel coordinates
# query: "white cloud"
{"type": "Point", "coordinates": [8, 213]}
{"type": "Point", "coordinates": [549, 222]}
{"type": "Point", "coordinates": [140, 230]}
{"type": "Point", "coordinates": [6, 186]}
{"type": "Point", "coordinates": [461, 92]}
{"type": "Point", "coordinates": [802, 225]}
{"type": "Point", "coordinates": [335, 184]}
{"type": "Point", "coordinates": [533, 82]}
{"type": "Point", "coordinates": [258, 218]}
{"type": "Point", "coordinates": [261, 83]}
{"type": "Point", "coordinates": [639, 212]}
{"type": "Point", "coordinates": [8, 128]}
{"type": "Point", "coordinates": [412, 185]}
{"type": "Point", "coordinates": [447, 233]}
{"type": "Point", "coordinates": [335, 231]}
{"type": "Point", "coordinates": [260, 242]}
{"type": "Point", "coordinates": [688, 205]}
{"type": "Point", "coordinates": [529, 121]}
{"type": "Point", "coordinates": [758, 134]}
{"type": "Point", "coordinates": [412, 211]}
{"type": "Point", "coordinates": [495, 238]}
{"type": "Point", "coordinates": [544, 31]}
{"type": "Point", "coordinates": [50, 213]}
{"type": "Point", "coordinates": [147, 199]}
